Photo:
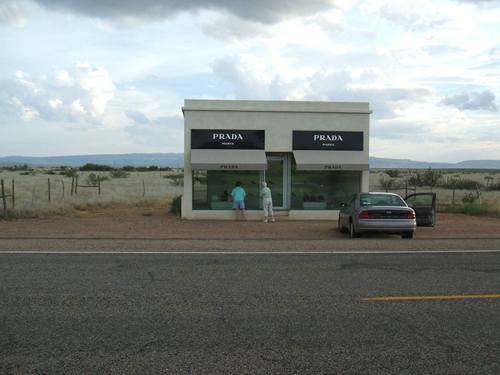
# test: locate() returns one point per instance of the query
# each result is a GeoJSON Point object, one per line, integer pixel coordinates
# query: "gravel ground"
{"type": "Point", "coordinates": [155, 230]}
{"type": "Point", "coordinates": [137, 223]}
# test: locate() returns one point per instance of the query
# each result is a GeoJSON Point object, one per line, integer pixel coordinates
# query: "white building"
{"type": "Point", "coordinates": [313, 155]}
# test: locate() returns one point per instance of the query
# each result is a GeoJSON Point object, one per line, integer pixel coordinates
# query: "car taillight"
{"type": "Point", "coordinates": [410, 215]}
{"type": "Point", "coordinates": [364, 215]}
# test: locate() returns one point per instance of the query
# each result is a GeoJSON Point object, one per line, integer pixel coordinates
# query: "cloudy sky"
{"type": "Point", "coordinates": [110, 76]}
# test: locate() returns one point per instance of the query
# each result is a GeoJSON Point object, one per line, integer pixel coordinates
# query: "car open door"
{"type": "Point", "coordinates": [424, 205]}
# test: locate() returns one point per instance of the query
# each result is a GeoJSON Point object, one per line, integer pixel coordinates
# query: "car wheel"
{"type": "Point", "coordinates": [352, 231]}
{"type": "Point", "coordinates": [407, 235]}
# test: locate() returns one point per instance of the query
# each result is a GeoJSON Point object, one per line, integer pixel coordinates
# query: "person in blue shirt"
{"type": "Point", "coordinates": [238, 194]}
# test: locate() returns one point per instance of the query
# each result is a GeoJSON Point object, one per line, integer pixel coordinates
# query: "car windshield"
{"type": "Point", "coordinates": [381, 200]}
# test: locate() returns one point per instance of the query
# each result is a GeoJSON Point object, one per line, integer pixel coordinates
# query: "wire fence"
{"type": "Point", "coordinates": [45, 189]}
{"type": "Point", "coordinates": [4, 195]}
{"type": "Point", "coordinates": [22, 192]}
{"type": "Point", "coordinates": [452, 187]}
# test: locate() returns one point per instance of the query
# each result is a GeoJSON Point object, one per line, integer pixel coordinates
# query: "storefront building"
{"type": "Point", "coordinates": [313, 156]}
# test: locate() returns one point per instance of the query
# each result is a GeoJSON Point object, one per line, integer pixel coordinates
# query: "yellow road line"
{"type": "Point", "coordinates": [423, 298]}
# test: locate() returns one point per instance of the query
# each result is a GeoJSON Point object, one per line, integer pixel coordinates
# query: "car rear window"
{"type": "Point", "coordinates": [381, 200]}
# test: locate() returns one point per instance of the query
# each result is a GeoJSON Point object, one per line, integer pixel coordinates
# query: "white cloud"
{"type": "Point", "coordinates": [98, 84]}
{"type": "Point", "coordinates": [413, 16]}
{"type": "Point", "coordinates": [55, 103]}
{"type": "Point", "coordinates": [481, 2]}
{"type": "Point", "coordinates": [412, 115]}
{"type": "Point", "coordinates": [132, 11]}
{"type": "Point", "coordinates": [20, 74]}
{"type": "Point", "coordinates": [416, 15]}
{"type": "Point", "coordinates": [165, 132]}
{"type": "Point", "coordinates": [436, 133]}
{"type": "Point", "coordinates": [408, 59]}
{"type": "Point", "coordinates": [441, 49]}
{"type": "Point", "coordinates": [13, 13]}
{"type": "Point", "coordinates": [254, 78]}
{"type": "Point", "coordinates": [249, 76]}
{"type": "Point", "coordinates": [63, 78]}
{"type": "Point", "coordinates": [313, 31]}
{"type": "Point", "coordinates": [76, 108]}
{"type": "Point", "coordinates": [230, 28]}
{"type": "Point", "coordinates": [474, 101]}
{"type": "Point", "coordinates": [78, 94]}
{"type": "Point", "coordinates": [138, 117]}
{"type": "Point", "coordinates": [25, 113]}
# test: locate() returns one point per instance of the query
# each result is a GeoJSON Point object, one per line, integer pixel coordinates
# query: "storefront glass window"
{"type": "Point", "coordinates": [323, 190]}
{"type": "Point", "coordinates": [212, 189]}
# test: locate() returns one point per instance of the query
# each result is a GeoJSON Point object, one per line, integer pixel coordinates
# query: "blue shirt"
{"type": "Point", "coordinates": [238, 193]}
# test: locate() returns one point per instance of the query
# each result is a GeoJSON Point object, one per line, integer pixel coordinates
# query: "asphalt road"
{"type": "Point", "coordinates": [248, 314]}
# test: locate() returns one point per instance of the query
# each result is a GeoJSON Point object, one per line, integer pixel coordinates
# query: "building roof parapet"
{"type": "Point", "coordinates": [275, 106]}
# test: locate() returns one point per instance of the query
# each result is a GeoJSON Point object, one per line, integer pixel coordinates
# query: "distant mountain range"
{"type": "Point", "coordinates": [411, 164]}
{"type": "Point", "coordinates": [176, 160]}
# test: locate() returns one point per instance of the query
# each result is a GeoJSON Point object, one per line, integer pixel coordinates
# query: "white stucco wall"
{"type": "Point", "coordinates": [278, 119]}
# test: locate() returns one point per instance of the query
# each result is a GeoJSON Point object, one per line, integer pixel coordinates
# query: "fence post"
{"type": "Point", "coordinates": [48, 186]}
{"type": "Point", "coordinates": [72, 184]}
{"type": "Point", "coordinates": [62, 184]}
{"type": "Point", "coordinates": [99, 185]}
{"type": "Point", "coordinates": [13, 195]}
{"type": "Point", "coordinates": [453, 197]}
{"type": "Point", "coordinates": [4, 200]}
{"type": "Point", "coordinates": [76, 185]}
{"type": "Point", "coordinates": [143, 189]}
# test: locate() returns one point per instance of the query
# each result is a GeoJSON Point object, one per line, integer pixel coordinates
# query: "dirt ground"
{"type": "Point", "coordinates": [139, 223]}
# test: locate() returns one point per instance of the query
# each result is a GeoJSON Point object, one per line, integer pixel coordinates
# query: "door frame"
{"type": "Point", "coordinates": [286, 179]}
{"type": "Point", "coordinates": [429, 219]}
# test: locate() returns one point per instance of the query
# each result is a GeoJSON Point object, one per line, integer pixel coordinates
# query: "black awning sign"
{"type": "Point", "coordinates": [230, 139]}
{"type": "Point", "coordinates": [327, 140]}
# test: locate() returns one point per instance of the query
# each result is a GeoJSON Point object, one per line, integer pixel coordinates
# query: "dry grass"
{"type": "Point", "coordinates": [491, 199]}
{"type": "Point", "coordinates": [474, 210]}
{"type": "Point", "coordinates": [158, 188]}
{"type": "Point", "coordinates": [139, 189]}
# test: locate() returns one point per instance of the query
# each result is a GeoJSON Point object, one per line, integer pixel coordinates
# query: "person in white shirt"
{"type": "Point", "coordinates": [267, 203]}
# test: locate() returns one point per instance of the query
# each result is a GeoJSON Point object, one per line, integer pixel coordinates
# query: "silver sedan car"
{"type": "Point", "coordinates": [377, 212]}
